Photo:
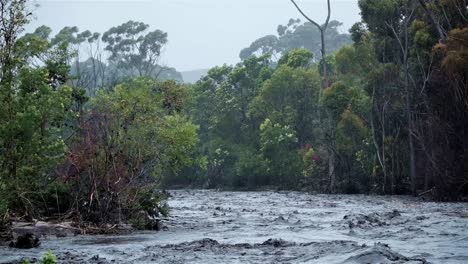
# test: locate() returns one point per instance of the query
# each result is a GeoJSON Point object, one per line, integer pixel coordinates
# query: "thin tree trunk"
{"type": "Point", "coordinates": [322, 30]}
{"type": "Point", "coordinates": [410, 119]}
{"type": "Point", "coordinates": [325, 84]}
{"type": "Point", "coordinates": [331, 169]}
{"type": "Point", "coordinates": [433, 19]}
{"type": "Point", "coordinates": [374, 139]}
{"type": "Point", "coordinates": [405, 51]}
{"type": "Point", "coordinates": [384, 166]}
{"type": "Point", "coordinates": [411, 145]}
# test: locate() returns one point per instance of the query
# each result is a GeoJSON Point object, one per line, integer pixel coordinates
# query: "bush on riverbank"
{"type": "Point", "coordinates": [93, 157]}
{"type": "Point", "coordinates": [48, 258]}
{"type": "Point", "coordinates": [127, 144]}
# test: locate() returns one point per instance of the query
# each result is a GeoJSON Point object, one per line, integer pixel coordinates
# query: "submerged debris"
{"type": "Point", "coordinates": [277, 243]}
{"type": "Point", "coordinates": [370, 220]}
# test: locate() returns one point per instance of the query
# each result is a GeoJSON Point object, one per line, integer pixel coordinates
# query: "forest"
{"type": "Point", "coordinates": [93, 126]}
{"type": "Point", "coordinates": [378, 111]}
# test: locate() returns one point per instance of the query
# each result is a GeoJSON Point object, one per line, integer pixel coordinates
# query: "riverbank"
{"type": "Point", "coordinates": [237, 227]}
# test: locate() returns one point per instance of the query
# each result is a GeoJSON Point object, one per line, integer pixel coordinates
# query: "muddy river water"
{"type": "Point", "coordinates": [279, 227]}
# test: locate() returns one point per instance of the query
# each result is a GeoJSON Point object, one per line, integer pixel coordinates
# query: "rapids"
{"type": "Point", "coordinates": [208, 226]}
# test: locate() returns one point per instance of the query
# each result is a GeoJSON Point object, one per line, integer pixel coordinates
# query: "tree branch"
{"type": "Point", "coordinates": [308, 18]}
{"type": "Point", "coordinates": [328, 16]}
{"type": "Point", "coordinates": [431, 15]}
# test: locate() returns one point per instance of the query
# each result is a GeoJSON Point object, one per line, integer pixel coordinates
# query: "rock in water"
{"type": "Point", "coordinates": [381, 253]}
{"type": "Point", "coordinates": [26, 241]}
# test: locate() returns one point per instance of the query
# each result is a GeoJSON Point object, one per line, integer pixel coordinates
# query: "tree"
{"type": "Point", "coordinates": [134, 49]}
{"type": "Point", "coordinates": [348, 134]}
{"type": "Point", "coordinates": [295, 35]}
{"type": "Point", "coordinates": [389, 25]}
{"type": "Point", "coordinates": [288, 97]}
{"type": "Point", "coordinates": [35, 106]}
{"type": "Point", "coordinates": [133, 140]}
{"type": "Point", "coordinates": [277, 144]}
{"type": "Point", "coordinates": [322, 29]}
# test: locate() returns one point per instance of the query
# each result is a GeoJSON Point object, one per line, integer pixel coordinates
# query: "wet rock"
{"type": "Point", "coordinates": [194, 245]}
{"type": "Point", "coordinates": [381, 253]}
{"type": "Point", "coordinates": [277, 243]}
{"type": "Point", "coordinates": [393, 214]}
{"type": "Point", "coordinates": [73, 258]}
{"type": "Point", "coordinates": [26, 241]}
{"type": "Point", "coordinates": [370, 220]}
{"type": "Point", "coordinates": [280, 220]}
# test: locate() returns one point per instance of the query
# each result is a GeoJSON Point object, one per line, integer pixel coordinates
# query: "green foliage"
{"type": "Point", "coordinates": [49, 258]}
{"type": "Point", "coordinates": [35, 106]}
{"type": "Point", "coordinates": [289, 97]}
{"type": "Point", "coordinates": [136, 136]}
{"type": "Point", "coordinates": [277, 145]}
{"type": "Point", "coordinates": [231, 103]}
{"type": "Point", "coordinates": [376, 14]}
{"type": "Point", "coordinates": [357, 32]}
{"type": "Point", "coordinates": [337, 98]}
{"type": "Point", "coordinates": [154, 203]}
{"type": "Point", "coordinates": [133, 48]}
{"type": "Point", "coordinates": [296, 58]}
{"type": "Point", "coordinates": [180, 137]}
{"type": "Point", "coordinates": [257, 123]}
{"type": "Point", "coordinates": [295, 35]}
{"type": "Point", "coordinates": [250, 169]}
{"type": "Point", "coordinates": [422, 38]}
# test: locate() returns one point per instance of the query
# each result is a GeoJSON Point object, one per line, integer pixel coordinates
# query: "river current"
{"type": "Point", "coordinates": [207, 226]}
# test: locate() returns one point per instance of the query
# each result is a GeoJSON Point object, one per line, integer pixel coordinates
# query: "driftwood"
{"type": "Point", "coordinates": [44, 229]}
{"type": "Point", "coordinates": [430, 191]}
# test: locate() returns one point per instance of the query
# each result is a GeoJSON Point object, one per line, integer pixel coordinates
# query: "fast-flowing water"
{"type": "Point", "coordinates": [280, 227]}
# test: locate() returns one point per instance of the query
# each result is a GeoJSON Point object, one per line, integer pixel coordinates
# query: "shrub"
{"type": "Point", "coordinates": [133, 138]}
{"type": "Point", "coordinates": [49, 258]}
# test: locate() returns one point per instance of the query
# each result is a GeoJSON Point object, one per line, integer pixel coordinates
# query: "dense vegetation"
{"type": "Point", "coordinates": [387, 115]}
{"type": "Point", "coordinates": [93, 137]}
{"type": "Point", "coordinates": [69, 149]}
{"type": "Point", "coordinates": [296, 35]}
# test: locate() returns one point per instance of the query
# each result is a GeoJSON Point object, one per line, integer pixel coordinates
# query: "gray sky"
{"type": "Point", "coordinates": [202, 33]}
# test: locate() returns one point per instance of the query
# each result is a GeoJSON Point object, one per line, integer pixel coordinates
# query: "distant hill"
{"type": "Point", "coordinates": [193, 76]}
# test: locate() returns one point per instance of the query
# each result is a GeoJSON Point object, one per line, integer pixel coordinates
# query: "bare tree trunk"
{"type": "Point", "coordinates": [409, 111]}
{"type": "Point", "coordinates": [325, 84]}
{"type": "Point", "coordinates": [405, 51]}
{"type": "Point", "coordinates": [410, 130]}
{"type": "Point", "coordinates": [331, 169]}
{"type": "Point", "coordinates": [374, 137]}
{"type": "Point", "coordinates": [322, 30]}
{"type": "Point", "coordinates": [384, 166]}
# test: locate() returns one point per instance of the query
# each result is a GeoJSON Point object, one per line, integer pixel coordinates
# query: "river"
{"type": "Point", "coordinates": [208, 226]}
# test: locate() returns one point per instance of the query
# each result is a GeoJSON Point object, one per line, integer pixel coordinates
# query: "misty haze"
{"type": "Point", "coordinates": [224, 131]}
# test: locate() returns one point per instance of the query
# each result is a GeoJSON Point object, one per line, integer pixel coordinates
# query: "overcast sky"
{"type": "Point", "coordinates": [202, 33]}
